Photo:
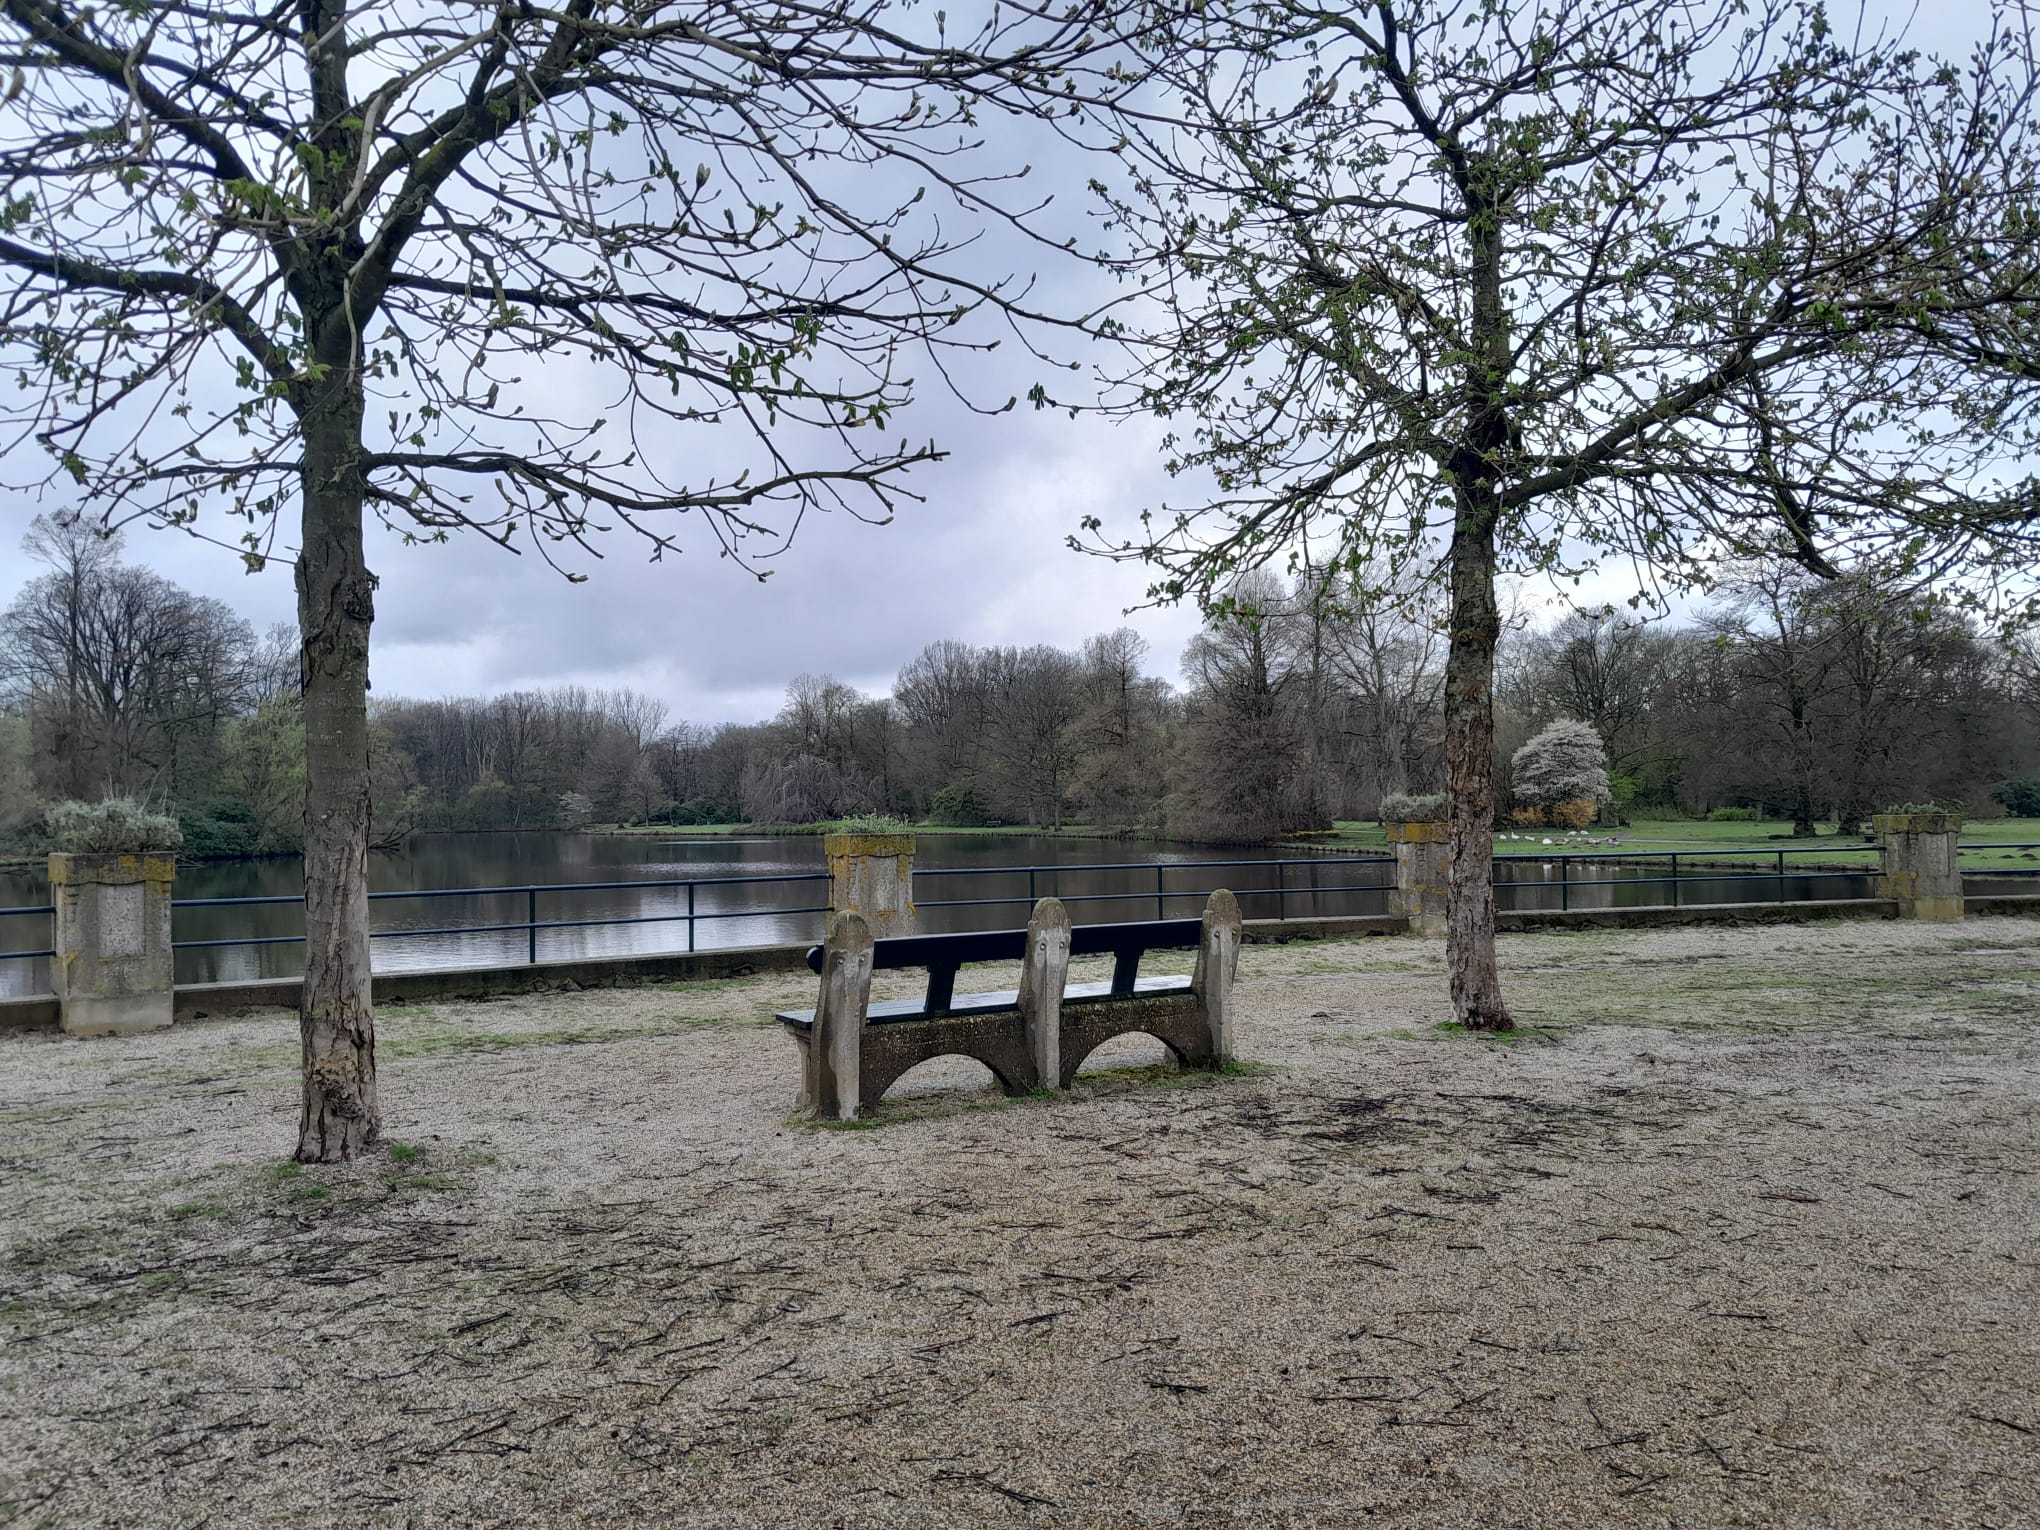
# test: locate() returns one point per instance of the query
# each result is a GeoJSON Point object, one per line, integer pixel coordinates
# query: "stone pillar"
{"type": "Point", "coordinates": [114, 970]}
{"type": "Point", "coordinates": [1918, 863]}
{"type": "Point", "coordinates": [1218, 962]}
{"type": "Point", "coordinates": [1044, 971]}
{"type": "Point", "coordinates": [1420, 887]}
{"type": "Point", "coordinates": [834, 1086]}
{"type": "Point", "coordinates": [873, 875]}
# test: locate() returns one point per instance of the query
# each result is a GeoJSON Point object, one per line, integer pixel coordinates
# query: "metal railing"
{"type": "Point", "coordinates": [530, 924]}
{"type": "Point", "coordinates": [2000, 871]}
{"type": "Point", "coordinates": [1160, 893]}
{"type": "Point", "coordinates": [1155, 878]}
{"type": "Point", "coordinates": [46, 911]}
{"type": "Point", "coordinates": [1566, 881]}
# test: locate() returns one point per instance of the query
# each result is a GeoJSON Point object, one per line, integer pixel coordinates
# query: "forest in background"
{"type": "Point", "coordinates": [1299, 704]}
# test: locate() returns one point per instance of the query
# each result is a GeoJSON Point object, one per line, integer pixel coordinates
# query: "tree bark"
{"type": "Point", "coordinates": [1469, 770]}
{"type": "Point", "coordinates": [336, 606]}
{"type": "Point", "coordinates": [1476, 471]}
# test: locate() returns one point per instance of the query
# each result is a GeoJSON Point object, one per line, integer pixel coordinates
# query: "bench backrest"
{"type": "Point", "coordinates": [1011, 945]}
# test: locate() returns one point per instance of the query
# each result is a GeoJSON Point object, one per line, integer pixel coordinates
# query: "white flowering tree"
{"type": "Point", "coordinates": [1564, 772]}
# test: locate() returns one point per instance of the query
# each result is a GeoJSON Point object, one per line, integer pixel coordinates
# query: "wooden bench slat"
{"type": "Point", "coordinates": [992, 1003]}
{"type": "Point", "coordinates": [1011, 945]}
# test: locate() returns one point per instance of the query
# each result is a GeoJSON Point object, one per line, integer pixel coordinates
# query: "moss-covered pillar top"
{"type": "Point", "coordinates": [114, 969]}
{"type": "Point", "coordinates": [1920, 866]}
{"type": "Point", "coordinates": [873, 875]}
{"type": "Point", "coordinates": [1422, 849]}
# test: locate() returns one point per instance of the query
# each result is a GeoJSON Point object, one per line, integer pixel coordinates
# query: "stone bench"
{"type": "Point", "coordinates": [1032, 1037]}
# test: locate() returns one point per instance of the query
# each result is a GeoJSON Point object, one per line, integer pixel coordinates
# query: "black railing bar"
{"type": "Point", "coordinates": [484, 892]}
{"type": "Point", "coordinates": [26, 912]}
{"type": "Point", "coordinates": [238, 902]}
{"type": "Point", "coordinates": [1146, 867]}
{"type": "Point", "coordinates": [1747, 876]}
{"type": "Point", "coordinates": [1143, 897]}
{"type": "Point", "coordinates": [246, 940]}
{"type": "Point", "coordinates": [744, 913]}
{"type": "Point", "coordinates": [1240, 892]}
{"type": "Point", "coordinates": [1558, 852]}
{"type": "Point", "coordinates": [1138, 897]}
{"type": "Point", "coordinates": [499, 929]}
{"type": "Point", "coordinates": [545, 887]}
{"type": "Point", "coordinates": [23, 956]}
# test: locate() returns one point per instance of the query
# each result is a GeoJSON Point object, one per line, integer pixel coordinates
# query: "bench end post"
{"type": "Point", "coordinates": [1218, 959]}
{"type": "Point", "coordinates": [1043, 971]}
{"type": "Point", "coordinates": [832, 1088]}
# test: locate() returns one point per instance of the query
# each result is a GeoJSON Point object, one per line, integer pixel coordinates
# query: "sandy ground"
{"type": "Point", "coordinates": [1745, 1232]}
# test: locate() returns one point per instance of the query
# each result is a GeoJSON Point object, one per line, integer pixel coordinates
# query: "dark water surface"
{"type": "Point", "coordinates": [747, 891]}
{"type": "Point", "coordinates": [1104, 880]}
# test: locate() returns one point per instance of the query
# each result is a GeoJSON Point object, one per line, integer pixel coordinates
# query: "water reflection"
{"type": "Point", "coordinates": [746, 891]}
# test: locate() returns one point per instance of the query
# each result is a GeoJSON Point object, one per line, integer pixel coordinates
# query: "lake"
{"type": "Point", "coordinates": [737, 901]}
{"type": "Point", "coordinates": [748, 891]}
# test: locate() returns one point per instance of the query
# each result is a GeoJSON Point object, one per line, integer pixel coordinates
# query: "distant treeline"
{"type": "Point", "coordinates": [1299, 704]}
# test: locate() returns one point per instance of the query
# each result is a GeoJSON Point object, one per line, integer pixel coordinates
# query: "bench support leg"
{"type": "Point", "coordinates": [1043, 972]}
{"type": "Point", "coordinates": [836, 1049]}
{"type": "Point", "coordinates": [1218, 959]}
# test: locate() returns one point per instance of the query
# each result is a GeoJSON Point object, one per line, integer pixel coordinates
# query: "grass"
{"type": "Point", "coordinates": [797, 830]}
{"type": "Point", "coordinates": [1738, 843]}
{"type": "Point", "coordinates": [1454, 1030]}
{"type": "Point", "coordinates": [446, 1037]}
{"type": "Point", "coordinates": [1086, 1086]}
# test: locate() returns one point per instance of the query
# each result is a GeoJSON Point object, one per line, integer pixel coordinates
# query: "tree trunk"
{"type": "Point", "coordinates": [1469, 770]}
{"type": "Point", "coordinates": [1476, 632]}
{"type": "Point", "coordinates": [335, 608]}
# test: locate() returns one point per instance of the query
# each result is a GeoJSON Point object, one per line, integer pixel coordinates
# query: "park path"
{"type": "Point", "coordinates": [1744, 1232]}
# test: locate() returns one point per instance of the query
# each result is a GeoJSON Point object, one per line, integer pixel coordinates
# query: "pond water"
{"type": "Point", "coordinates": [747, 891]}
{"type": "Point", "coordinates": [769, 890]}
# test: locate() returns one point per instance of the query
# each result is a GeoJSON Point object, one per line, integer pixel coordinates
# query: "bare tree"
{"type": "Point", "coordinates": [1239, 777]}
{"type": "Point", "coordinates": [1603, 669]}
{"type": "Point", "coordinates": [1652, 281]}
{"type": "Point", "coordinates": [129, 678]}
{"type": "Point", "coordinates": [1036, 701]}
{"type": "Point", "coordinates": [944, 700]}
{"type": "Point", "coordinates": [1388, 652]}
{"type": "Point", "coordinates": [316, 252]}
{"type": "Point", "coordinates": [1121, 731]}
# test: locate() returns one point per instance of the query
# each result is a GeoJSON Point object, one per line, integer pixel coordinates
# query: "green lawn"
{"type": "Point", "coordinates": [698, 830]}
{"type": "Point", "coordinates": [1730, 842]}
{"type": "Point", "coordinates": [1707, 843]}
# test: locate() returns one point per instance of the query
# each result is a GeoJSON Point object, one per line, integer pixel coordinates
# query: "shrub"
{"type": "Point", "coordinates": [959, 807]}
{"type": "Point", "coordinates": [703, 810]}
{"type": "Point", "coordinates": [1733, 815]}
{"type": "Point", "coordinates": [1565, 763]}
{"type": "Point", "coordinates": [872, 823]}
{"type": "Point", "coordinates": [1413, 807]}
{"type": "Point", "coordinates": [1528, 817]}
{"type": "Point", "coordinates": [117, 826]}
{"type": "Point", "coordinates": [218, 830]}
{"type": "Point", "coordinates": [2020, 796]}
{"type": "Point", "coordinates": [1576, 814]}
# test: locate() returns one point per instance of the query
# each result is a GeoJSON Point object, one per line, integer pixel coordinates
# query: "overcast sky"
{"type": "Point", "coordinates": [982, 560]}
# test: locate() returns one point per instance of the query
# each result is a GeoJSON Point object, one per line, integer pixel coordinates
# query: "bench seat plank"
{"type": "Point", "coordinates": [991, 1003]}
